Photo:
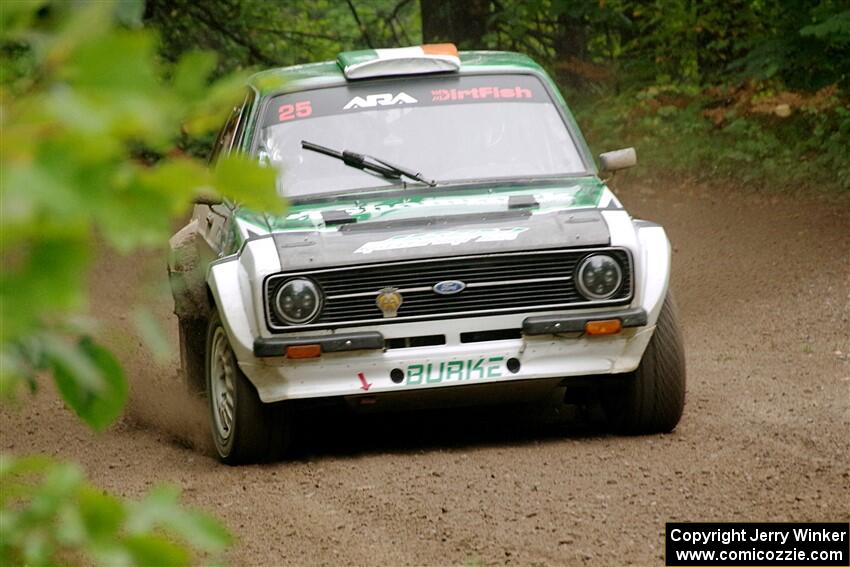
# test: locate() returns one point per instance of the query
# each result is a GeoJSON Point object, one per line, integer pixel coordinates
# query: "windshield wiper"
{"type": "Point", "coordinates": [368, 163]}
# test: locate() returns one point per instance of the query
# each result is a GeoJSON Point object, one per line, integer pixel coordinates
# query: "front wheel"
{"type": "Point", "coordinates": [652, 398]}
{"type": "Point", "coordinates": [244, 428]}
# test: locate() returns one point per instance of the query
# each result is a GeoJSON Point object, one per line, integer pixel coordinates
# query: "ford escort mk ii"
{"type": "Point", "coordinates": [448, 239]}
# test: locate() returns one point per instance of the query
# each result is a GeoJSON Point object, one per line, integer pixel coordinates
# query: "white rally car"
{"type": "Point", "coordinates": [448, 239]}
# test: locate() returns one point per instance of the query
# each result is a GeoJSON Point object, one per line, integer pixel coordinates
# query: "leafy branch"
{"type": "Point", "coordinates": [52, 516]}
{"type": "Point", "coordinates": [83, 98]}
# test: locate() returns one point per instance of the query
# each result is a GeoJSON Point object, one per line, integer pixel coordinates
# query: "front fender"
{"type": "Point", "coordinates": [655, 262]}
{"type": "Point", "coordinates": [234, 284]}
{"type": "Point", "coordinates": [651, 254]}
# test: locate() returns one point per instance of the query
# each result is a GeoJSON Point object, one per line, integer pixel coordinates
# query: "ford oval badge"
{"type": "Point", "coordinates": [449, 287]}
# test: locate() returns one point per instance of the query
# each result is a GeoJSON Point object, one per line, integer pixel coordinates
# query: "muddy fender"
{"type": "Point", "coordinates": [186, 275]}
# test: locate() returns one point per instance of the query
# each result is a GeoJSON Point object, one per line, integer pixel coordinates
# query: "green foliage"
{"type": "Point", "coordinates": [90, 116]}
{"type": "Point", "coordinates": [52, 516]}
{"type": "Point", "coordinates": [806, 151]}
{"type": "Point", "coordinates": [256, 32]}
{"type": "Point", "coordinates": [666, 76]}
{"type": "Point", "coordinates": [89, 378]}
{"type": "Point", "coordinates": [804, 43]}
{"type": "Point", "coordinates": [834, 28]}
{"type": "Point", "coordinates": [84, 156]}
{"type": "Point", "coordinates": [609, 48]}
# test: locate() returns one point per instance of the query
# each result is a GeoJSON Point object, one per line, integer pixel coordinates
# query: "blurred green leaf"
{"type": "Point", "coordinates": [44, 278]}
{"type": "Point", "coordinates": [130, 12]}
{"type": "Point", "coordinates": [17, 16]}
{"type": "Point", "coordinates": [202, 531]}
{"type": "Point", "coordinates": [191, 73]}
{"type": "Point", "coordinates": [244, 180]}
{"type": "Point", "coordinates": [90, 117]}
{"type": "Point", "coordinates": [13, 468]}
{"type": "Point", "coordinates": [100, 67]}
{"type": "Point", "coordinates": [53, 516]}
{"type": "Point", "coordinates": [102, 514]}
{"type": "Point", "coordinates": [77, 375]}
{"type": "Point", "coordinates": [151, 549]}
{"type": "Point", "coordinates": [160, 508]}
{"type": "Point", "coordinates": [86, 151]}
{"type": "Point", "coordinates": [90, 379]}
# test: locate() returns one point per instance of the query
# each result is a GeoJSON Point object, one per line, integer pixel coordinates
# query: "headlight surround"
{"type": "Point", "coordinates": [298, 301]}
{"type": "Point", "coordinates": [599, 276]}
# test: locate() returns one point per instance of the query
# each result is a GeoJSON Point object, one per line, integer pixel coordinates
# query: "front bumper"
{"type": "Point", "coordinates": [373, 340]}
{"type": "Point", "coordinates": [405, 369]}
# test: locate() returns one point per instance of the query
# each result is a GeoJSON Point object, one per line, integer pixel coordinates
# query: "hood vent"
{"type": "Point", "coordinates": [337, 216]}
{"type": "Point", "coordinates": [522, 202]}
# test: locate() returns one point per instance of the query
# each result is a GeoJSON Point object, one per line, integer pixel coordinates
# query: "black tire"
{"type": "Point", "coordinates": [652, 398]}
{"type": "Point", "coordinates": [192, 334]}
{"type": "Point", "coordinates": [259, 431]}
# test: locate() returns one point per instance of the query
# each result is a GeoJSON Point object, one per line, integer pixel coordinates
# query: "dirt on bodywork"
{"type": "Point", "coordinates": [763, 287]}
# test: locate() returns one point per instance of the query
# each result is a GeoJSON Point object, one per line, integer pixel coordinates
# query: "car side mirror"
{"type": "Point", "coordinates": [618, 159]}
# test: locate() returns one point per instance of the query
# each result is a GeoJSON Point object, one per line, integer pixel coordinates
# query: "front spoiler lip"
{"type": "Point", "coordinates": [555, 324]}
{"type": "Point", "coordinates": [373, 340]}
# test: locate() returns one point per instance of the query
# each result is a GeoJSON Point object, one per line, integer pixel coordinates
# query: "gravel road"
{"type": "Point", "coordinates": [763, 286]}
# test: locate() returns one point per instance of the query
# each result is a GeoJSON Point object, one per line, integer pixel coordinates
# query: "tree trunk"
{"type": "Point", "coordinates": [462, 22]}
{"type": "Point", "coordinates": [571, 50]}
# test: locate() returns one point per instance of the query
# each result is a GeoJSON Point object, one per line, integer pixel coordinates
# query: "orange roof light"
{"type": "Point", "coordinates": [304, 351]}
{"type": "Point", "coordinates": [440, 49]}
{"type": "Point", "coordinates": [605, 327]}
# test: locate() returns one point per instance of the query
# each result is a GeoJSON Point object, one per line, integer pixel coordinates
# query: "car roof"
{"type": "Point", "coordinates": [328, 73]}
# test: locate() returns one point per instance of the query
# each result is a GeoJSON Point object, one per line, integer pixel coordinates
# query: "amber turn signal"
{"type": "Point", "coordinates": [606, 327]}
{"type": "Point", "coordinates": [304, 351]}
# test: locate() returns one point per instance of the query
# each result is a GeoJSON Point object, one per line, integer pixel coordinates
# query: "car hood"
{"type": "Point", "coordinates": [437, 223]}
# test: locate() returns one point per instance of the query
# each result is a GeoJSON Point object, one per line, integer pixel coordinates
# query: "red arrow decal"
{"type": "Point", "coordinates": [366, 385]}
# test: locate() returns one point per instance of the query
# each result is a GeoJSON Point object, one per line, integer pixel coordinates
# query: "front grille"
{"type": "Point", "coordinates": [495, 283]}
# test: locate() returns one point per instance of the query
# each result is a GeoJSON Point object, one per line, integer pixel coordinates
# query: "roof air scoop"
{"type": "Point", "coordinates": [419, 60]}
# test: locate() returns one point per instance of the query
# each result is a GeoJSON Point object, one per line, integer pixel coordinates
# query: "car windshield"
{"type": "Point", "coordinates": [449, 128]}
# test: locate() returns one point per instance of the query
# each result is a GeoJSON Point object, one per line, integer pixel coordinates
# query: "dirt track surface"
{"type": "Point", "coordinates": [763, 286]}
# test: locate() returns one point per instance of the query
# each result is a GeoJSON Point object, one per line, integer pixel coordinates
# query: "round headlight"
{"type": "Point", "coordinates": [599, 276]}
{"type": "Point", "coordinates": [298, 301]}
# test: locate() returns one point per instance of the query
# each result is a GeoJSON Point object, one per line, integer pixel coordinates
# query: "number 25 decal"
{"type": "Point", "coordinates": [301, 109]}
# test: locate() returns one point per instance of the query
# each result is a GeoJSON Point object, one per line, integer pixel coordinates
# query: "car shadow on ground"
{"type": "Point", "coordinates": [339, 431]}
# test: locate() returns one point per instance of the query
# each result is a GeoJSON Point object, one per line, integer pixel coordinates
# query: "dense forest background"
{"type": "Point", "coordinates": [750, 90]}
{"type": "Point", "coordinates": [95, 95]}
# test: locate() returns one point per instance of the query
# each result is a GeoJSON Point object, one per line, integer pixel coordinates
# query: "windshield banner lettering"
{"type": "Point", "coordinates": [386, 95]}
